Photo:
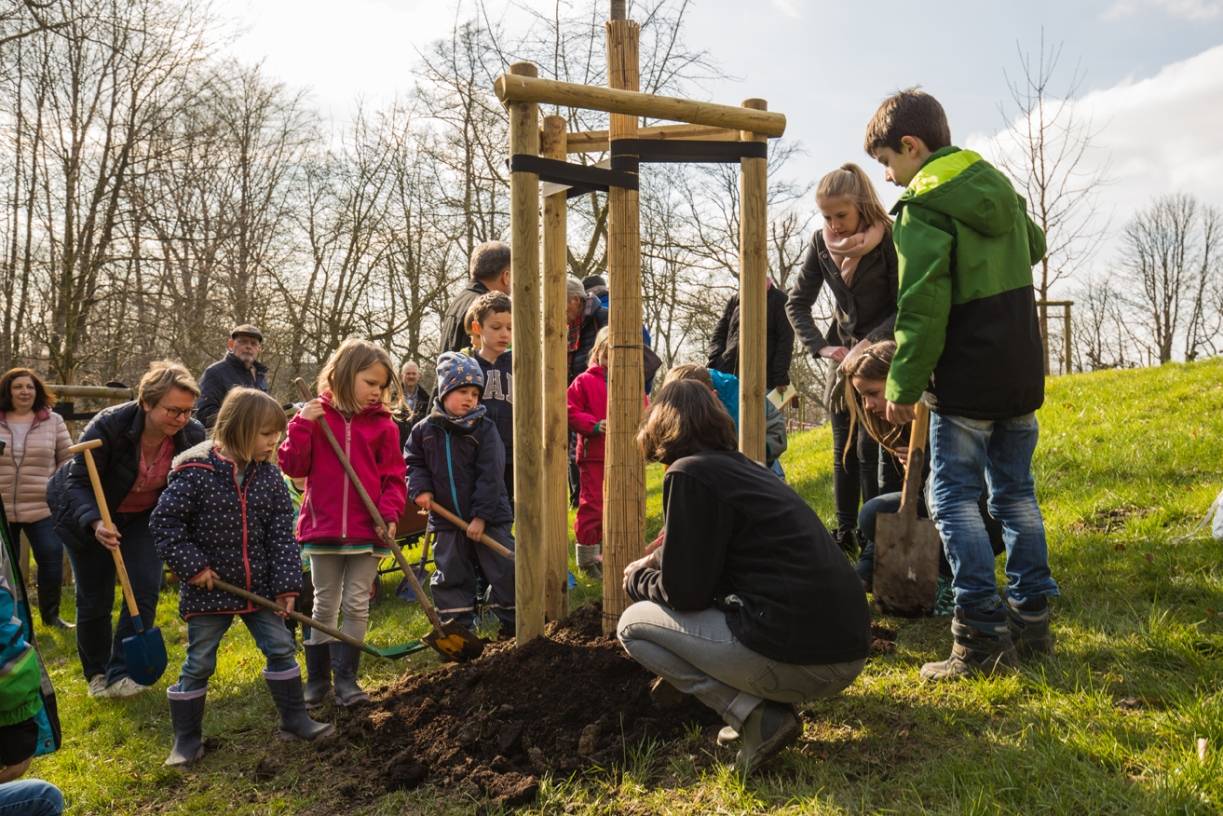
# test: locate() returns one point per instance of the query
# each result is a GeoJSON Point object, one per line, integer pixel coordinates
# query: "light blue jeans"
{"type": "Point", "coordinates": [967, 456]}
{"type": "Point", "coordinates": [30, 797]}
{"type": "Point", "coordinates": [204, 633]}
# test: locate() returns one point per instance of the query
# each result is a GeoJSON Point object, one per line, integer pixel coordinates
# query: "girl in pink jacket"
{"type": "Point", "coordinates": [333, 527]}
{"type": "Point", "coordinates": [588, 417]}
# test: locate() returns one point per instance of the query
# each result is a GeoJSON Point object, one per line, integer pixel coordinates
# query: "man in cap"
{"type": "Point", "coordinates": [239, 366]}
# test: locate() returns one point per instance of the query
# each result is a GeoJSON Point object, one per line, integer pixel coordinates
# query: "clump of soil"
{"type": "Point", "coordinates": [883, 639]}
{"type": "Point", "coordinates": [570, 700]}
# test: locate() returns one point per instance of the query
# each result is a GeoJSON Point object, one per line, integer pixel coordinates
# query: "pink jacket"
{"type": "Point", "coordinates": [331, 509]}
{"type": "Point", "coordinates": [588, 405]}
{"type": "Point", "coordinates": [23, 480]}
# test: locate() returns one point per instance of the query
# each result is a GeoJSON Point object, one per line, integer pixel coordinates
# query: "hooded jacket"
{"type": "Point", "coordinates": [243, 531]}
{"type": "Point", "coordinates": [24, 475]}
{"type": "Point", "coordinates": [966, 311]}
{"type": "Point", "coordinates": [220, 378]}
{"type": "Point", "coordinates": [463, 469]}
{"type": "Point", "coordinates": [332, 512]}
{"type": "Point", "coordinates": [779, 340]}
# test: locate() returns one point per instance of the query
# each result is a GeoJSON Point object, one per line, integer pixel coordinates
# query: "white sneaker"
{"type": "Point", "coordinates": [97, 686]}
{"type": "Point", "coordinates": [125, 687]}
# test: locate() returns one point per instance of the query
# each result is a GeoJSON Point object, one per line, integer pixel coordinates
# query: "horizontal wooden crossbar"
{"type": "Point", "coordinates": [596, 141]}
{"type": "Point", "coordinates": [521, 88]}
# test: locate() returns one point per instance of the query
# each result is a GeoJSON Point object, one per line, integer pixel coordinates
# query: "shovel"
{"type": "Point", "coordinates": [145, 651]}
{"type": "Point", "coordinates": [390, 652]}
{"type": "Point", "coordinates": [907, 547]}
{"type": "Point", "coordinates": [450, 640]}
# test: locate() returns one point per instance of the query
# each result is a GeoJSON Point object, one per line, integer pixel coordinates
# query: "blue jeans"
{"type": "Point", "coordinates": [966, 457]}
{"type": "Point", "coordinates": [94, 567]}
{"type": "Point", "coordinates": [49, 555]}
{"type": "Point", "coordinates": [30, 797]}
{"type": "Point", "coordinates": [204, 633]}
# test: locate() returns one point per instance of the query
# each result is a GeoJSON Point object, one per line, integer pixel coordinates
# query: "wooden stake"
{"type": "Point", "coordinates": [596, 141]}
{"type": "Point", "coordinates": [518, 88]}
{"type": "Point", "coordinates": [1067, 340]}
{"type": "Point", "coordinates": [530, 558]}
{"type": "Point", "coordinates": [556, 370]}
{"type": "Point", "coordinates": [753, 293]}
{"type": "Point", "coordinates": [624, 480]}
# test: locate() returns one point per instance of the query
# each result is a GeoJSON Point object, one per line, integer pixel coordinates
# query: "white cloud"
{"type": "Point", "coordinates": [1185, 9]}
{"type": "Point", "coordinates": [1157, 135]}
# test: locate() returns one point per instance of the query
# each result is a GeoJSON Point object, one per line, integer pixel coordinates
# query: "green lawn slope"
{"type": "Point", "coordinates": [1128, 463]}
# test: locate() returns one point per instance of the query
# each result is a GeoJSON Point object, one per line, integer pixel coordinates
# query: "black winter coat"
{"type": "Point", "coordinates": [219, 378]}
{"type": "Point", "coordinates": [454, 335]}
{"type": "Point", "coordinates": [69, 493]}
{"type": "Point", "coordinates": [864, 311]}
{"type": "Point", "coordinates": [464, 470]}
{"type": "Point", "coordinates": [405, 419]}
{"type": "Point", "coordinates": [244, 533]}
{"type": "Point", "coordinates": [779, 345]}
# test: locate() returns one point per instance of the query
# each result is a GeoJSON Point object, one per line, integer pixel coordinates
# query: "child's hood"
{"type": "Point", "coordinates": [196, 453]}
{"type": "Point", "coordinates": [963, 186]}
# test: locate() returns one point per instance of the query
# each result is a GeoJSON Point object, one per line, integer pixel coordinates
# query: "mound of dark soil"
{"type": "Point", "coordinates": [567, 701]}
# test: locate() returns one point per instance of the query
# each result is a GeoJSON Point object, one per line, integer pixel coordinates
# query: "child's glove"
{"type": "Point", "coordinates": [599, 428]}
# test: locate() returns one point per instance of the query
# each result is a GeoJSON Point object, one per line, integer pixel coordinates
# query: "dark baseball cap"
{"type": "Point", "coordinates": [246, 330]}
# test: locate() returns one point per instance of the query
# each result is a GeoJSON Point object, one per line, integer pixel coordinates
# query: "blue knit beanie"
{"type": "Point", "coordinates": [455, 370]}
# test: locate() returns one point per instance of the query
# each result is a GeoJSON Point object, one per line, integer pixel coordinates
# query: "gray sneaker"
{"type": "Point", "coordinates": [97, 686]}
{"type": "Point", "coordinates": [125, 687]}
{"type": "Point", "coordinates": [766, 731]}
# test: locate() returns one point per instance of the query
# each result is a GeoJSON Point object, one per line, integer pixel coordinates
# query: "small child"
{"type": "Point", "coordinates": [588, 417]}
{"type": "Point", "coordinates": [489, 318]}
{"type": "Point", "coordinates": [455, 458]}
{"type": "Point", "coordinates": [226, 514]}
{"type": "Point", "coordinates": [333, 526]}
{"type": "Point", "coordinates": [967, 336]}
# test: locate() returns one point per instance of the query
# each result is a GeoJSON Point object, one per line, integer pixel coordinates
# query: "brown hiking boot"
{"type": "Point", "coordinates": [981, 645]}
{"type": "Point", "coordinates": [766, 731]}
{"type": "Point", "coordinates": [1029, 625]}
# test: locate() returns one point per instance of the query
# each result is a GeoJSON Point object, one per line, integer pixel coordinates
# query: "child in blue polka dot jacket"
{"type": "Point", "coordinates": [226, 514]}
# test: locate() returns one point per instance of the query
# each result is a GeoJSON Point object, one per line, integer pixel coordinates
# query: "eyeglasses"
{"type": "Point", "coordinates": [176, 413]}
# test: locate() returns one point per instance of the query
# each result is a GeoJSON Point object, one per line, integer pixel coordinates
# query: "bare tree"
{"type": "Point", "coordinates": [1051, 156]}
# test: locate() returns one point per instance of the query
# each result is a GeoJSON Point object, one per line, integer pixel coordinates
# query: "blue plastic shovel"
{"type": "Point", "coordinates": [145, 651]}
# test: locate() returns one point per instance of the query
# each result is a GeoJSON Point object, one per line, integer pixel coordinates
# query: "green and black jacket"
{"type": "Point", "coordinates": [966, 326]}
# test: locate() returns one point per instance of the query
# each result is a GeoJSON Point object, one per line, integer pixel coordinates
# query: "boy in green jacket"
{"type": "Point", "coordinates": [967, 336]}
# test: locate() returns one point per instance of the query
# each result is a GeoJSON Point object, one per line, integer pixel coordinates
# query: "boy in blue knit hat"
{"type": "Point", "coordinates": [456, 459]}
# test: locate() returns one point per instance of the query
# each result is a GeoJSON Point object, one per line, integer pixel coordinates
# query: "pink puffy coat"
{"type": "Point", "coordinates": [331, 509]}
{"type": "Point", "coordinates": [588, 405]}
{"type": "Point", "coordinates": [23, 479]}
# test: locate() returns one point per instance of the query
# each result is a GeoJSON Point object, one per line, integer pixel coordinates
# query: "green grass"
{"type": "Point", "coordinates": [1128, 462]}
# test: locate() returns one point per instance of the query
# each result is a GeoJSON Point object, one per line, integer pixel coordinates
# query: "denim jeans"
{"type": "Point", "coordinates": [204, 633]}
{"type": "Point", "coordinates": [864, 473]}
{"type": "Point", "coordinates": [94, 568]}
{"type": "Point", "coordinates": [968, 456]}
{"type": "Point", "coordinates": [698, 654]}
{"type": "Point", "coordinates": [30, 797]}
{"type": "Point", "coordinates": [49, 555]}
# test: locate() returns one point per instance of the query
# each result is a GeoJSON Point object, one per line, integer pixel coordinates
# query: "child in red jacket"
{"type": "Point", "coordinates": [588, 417]}
{"type": "Point", "coordinates": [335, 531]}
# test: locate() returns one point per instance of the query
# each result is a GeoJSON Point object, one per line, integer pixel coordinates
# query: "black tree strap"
{"type": "Point", "coordinates": [582, 178]}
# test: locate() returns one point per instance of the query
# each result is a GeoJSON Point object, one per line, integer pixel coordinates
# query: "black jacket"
{"type": "Point", "coordinates": [779, 345]}
{"type": "Point", "coordinates": [226, 373]}
{"type": "Point", "coordinates": [244, 533]}
{"type": "Point", "coordinates": [454, 335]}
{"type": "Point", "coordinates": [739, 539]}
{"type": "Point", "coordinates": [594, 319]}
{"type": "Point", "coordinates": [69, 493]}
{"type": "Point", "coordinates": [464, 470]}
{"type": "Point", "coordinates": [864, 311]}
{"type": "Point", "coordinates": [406, 419]}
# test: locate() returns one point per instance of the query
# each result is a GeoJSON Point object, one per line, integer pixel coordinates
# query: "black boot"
{"type": "Point", "coordinates": [1029, 625]}
{"type": "Point", "coordinates": [318, 674]}
{"type": "Point", "coordinates": [187, 717]}
{"type": "Point", "coordinates": [295, 723]}
{"type": "Point", "coordinates": [48, 607]}
{"type": "Point", "coordinates": [344, 662]}
{"type": "Point", "coordinates": [982, 645]}
{"type": "Point", "coordinates": [767, 730]}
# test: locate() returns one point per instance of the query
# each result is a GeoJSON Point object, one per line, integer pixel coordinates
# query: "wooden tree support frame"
{"type": "Point", "coordinates": [540, 352]}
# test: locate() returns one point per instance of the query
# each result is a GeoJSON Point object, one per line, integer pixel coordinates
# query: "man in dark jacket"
{"type": "Point", "coordinates": [585, 314]}
{"type": "Point", "coordinates": [490, 272]}
{"type": "Point", "coordinates": [724, 347]}
{"type": "Point", "coordinates": [239, 366]}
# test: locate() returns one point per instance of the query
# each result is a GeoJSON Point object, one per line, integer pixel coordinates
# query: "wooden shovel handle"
{"type": "Point", "coordinates": [915, 463]}
{"type": "Point", "coordinates": [375, 516]}
{"type": "Point", "coordinates": [485, 539]}
{"type": "Point", "coordinates": [95, 481]}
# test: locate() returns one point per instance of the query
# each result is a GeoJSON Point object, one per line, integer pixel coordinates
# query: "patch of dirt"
{"type": "Point", "coordinates": [570, 700]}
{"type": "Point", "coordinates": [883, 639]}
{"type": "Point", "coordinates": [1109, 519]}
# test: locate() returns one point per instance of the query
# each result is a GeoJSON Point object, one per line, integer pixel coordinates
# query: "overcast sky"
{"type": "Point", "coordinates": [1152, 86]}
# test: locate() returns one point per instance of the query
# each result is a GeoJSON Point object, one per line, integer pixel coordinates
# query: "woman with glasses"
{"type": "Point", "coordinates": [139, 441]}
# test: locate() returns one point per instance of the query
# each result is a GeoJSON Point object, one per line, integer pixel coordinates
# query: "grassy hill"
{"type": "Point", "coordinates": [1128, 463]}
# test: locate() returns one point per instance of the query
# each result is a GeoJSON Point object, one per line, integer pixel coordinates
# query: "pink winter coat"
{"type": "Point", "coordinates": [588, 405]}
{"type": "Point", "coordinates": [331, 509]}
{"type": "Point", "coordinates": [24, 477]}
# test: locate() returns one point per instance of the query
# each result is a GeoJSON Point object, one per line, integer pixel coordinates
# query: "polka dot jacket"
{"type": "Point", "coordinates": [205, 519]}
